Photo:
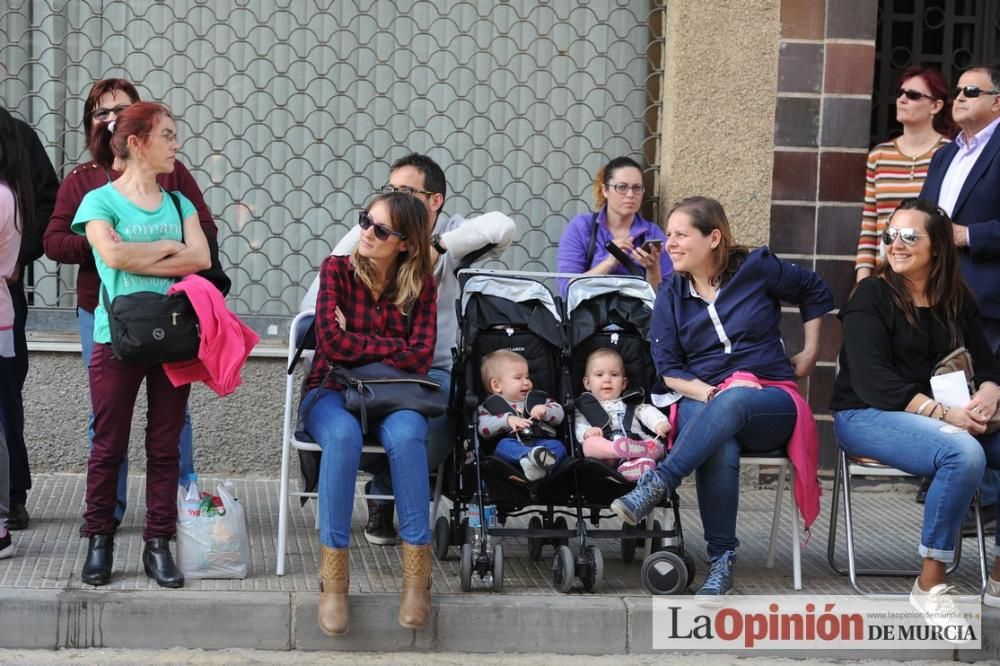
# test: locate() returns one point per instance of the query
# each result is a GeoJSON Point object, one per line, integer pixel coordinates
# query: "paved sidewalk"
{"type": "Point", "coordinates": [46, 605]}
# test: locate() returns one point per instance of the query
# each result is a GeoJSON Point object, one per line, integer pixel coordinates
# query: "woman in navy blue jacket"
{"type": "Point", "coordinates": [716, 342]}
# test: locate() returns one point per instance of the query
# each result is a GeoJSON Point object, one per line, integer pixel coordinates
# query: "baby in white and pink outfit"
{"type": "Point", "coordinates": [634, 447]}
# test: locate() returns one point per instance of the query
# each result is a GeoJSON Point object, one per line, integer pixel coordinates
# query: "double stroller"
{"type": "Point", "coordinates": [502, 310]}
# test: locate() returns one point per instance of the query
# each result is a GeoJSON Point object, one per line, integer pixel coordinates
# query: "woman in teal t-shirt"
{"type": "Point", "coordinates": [141, 242]}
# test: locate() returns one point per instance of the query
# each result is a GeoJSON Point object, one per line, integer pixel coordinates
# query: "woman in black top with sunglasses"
{"type": "Point", "coordinates": [897, 326]}
{"type": "Point", "coordinates": [897, 168]}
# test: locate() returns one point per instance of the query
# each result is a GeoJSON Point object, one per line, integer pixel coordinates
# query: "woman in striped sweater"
{"type": "Point", "coordinates": [897, 168]}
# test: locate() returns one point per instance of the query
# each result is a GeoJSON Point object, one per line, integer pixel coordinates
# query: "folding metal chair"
{"type": "Point", "coordinates": [849, 467]}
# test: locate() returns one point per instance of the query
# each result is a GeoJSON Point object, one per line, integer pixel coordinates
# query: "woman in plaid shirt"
{"type": "Point", "coordinates": [376, 305]}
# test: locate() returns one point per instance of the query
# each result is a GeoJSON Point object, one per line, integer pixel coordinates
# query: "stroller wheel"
{"type": "Point", "coordinates": [463, 531]}
{"type": "Point", "coordinates": [466, 570]}
{"type": "Point", "coordinates": [664, 572]}
{"type": "Point", "coordinates": [629, 545]}
{"type": "Point", "coordinates": [563, 569]}
{"type": "Point", "coordinates": [497, 568]}
{"type": "Point", "coordinates": [560, 524]}
{"type": "Point", "coordinates": [442, 538]}
{"type": "Point", "coordinates": [535, 543]}
{"type": "Point", "coordinates": [593, 578]}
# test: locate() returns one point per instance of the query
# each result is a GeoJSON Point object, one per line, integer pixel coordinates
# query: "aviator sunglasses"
{"type": "Point", "coordinates": [908, 235]}
{"type": "Point", "coordinates": [382, 232]}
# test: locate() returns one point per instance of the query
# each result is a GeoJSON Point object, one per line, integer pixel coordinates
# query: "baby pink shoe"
{"type": "Point", "coordinates": [655, 449]}
{"type": "Point", "coordinates": [628, 448]}
{"type": "Point", "coordinates": [635, 468]}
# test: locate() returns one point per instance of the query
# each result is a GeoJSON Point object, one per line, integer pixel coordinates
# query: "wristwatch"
{"type": "Point", "coordinates": [437, 245]}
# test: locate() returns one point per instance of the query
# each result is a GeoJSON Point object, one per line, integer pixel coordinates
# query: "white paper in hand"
{"type": "Point", "coordinates": [950, 389]}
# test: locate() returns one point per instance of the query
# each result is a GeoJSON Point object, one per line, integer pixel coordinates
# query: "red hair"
{"type": "Point", "coordinates": [943, 123]}
{"type": "Point", "coordinates": [100, 89]}
{"type": "Point", "coordinates": [137, 120]}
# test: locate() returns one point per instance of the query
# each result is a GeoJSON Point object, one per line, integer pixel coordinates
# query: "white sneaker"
{"type": "Point", "coordinates": [992, 595]}
{"type": "Point", "coordinates": [939, 610]}
{"type": "Point", "coordinates": [532, 472]}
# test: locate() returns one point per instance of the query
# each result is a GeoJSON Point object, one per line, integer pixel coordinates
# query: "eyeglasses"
{"type": "Point", "coordinates": [908, 235]}
{"type": "Point", "coordinates": [382, 232]}
{"type": "Point", "coordinates": [389, 189]}
{"type": "Point", "coordinates": [973, 92]}
{"type": "Point", "coordinates": [102, 113]}
{"type": "Point", "coordinates": [622, 188]}
{"type": "Point", "coordinates": [912, 95]}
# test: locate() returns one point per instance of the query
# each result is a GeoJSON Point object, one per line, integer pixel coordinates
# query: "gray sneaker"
{"type": "Point", "coordinates": [636, 505]}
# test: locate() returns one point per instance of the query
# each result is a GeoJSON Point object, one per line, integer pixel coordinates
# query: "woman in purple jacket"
{"type": "Point", "coordinates": [618, 193]}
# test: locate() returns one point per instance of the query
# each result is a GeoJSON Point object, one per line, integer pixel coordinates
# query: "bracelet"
{"type": "Point", "coordinates": [714, 391]}
{"type": "Point", "coordinates": [944, 411]}
{"type": "Point", "coordinates": [923, 406]}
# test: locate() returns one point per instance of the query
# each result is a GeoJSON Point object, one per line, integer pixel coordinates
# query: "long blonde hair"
{"type": "Point", "coordinates": [406, 279]}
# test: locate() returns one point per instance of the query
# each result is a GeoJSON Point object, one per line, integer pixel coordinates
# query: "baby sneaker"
{"type": "Point", "coordinates": [633, 469]}
{"type": "Point", "coordinates": [655, 449]}
{"type": "Point", "coordinates": [626, 447]}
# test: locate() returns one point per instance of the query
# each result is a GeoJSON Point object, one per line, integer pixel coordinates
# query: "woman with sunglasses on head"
{"type": "Point", "coordinates": [142, 240]}
{"type": "Point", "coordinates": [898, 168]}
{"type": "Point", "coordinates": [898, 325]}
{"type": "Point", "coordinates": [377, 305]}
{"type": "Point", "coordinates": [716, 343]}
{"type": "Point", "coordinates": [618, 193]}
{"type": "Point", "coordinates": [107, 100]}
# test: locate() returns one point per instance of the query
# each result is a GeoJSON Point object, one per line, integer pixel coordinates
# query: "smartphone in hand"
{"type": "Point", "coordinates": [650, 245]}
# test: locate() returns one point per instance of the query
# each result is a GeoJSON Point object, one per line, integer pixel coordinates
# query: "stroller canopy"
{"type": "Point", "coordinates": [491, 300]}
{"type": "Point", "coordinates": [595, 302]}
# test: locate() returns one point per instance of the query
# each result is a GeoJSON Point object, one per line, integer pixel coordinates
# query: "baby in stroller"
{"type": "Point", "coordinates": [615, 427]}
{"type": "Point", "coordinates": [523, 419]}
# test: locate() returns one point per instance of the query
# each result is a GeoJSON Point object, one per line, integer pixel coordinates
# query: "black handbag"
{"type": "Point", "coordinates": [374, 390]}
{"type": "Point", "coordinates": [215, 274]}
{"type": "Point", "coordinates": [149, 327]}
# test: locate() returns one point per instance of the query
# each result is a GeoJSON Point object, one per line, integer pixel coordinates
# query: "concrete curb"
{"type": "Point", "coordinates": [473, 623]}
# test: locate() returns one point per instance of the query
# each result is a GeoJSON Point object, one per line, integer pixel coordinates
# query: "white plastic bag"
{"type": "Point", "coordinates": [211, 543]}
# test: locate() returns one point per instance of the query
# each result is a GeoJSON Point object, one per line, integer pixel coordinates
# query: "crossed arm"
{"type": "Point", "coordinates": [163, 258]}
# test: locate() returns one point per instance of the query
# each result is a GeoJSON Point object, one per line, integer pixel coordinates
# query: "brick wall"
{"type": "Point", "coordinates": [821, 129]}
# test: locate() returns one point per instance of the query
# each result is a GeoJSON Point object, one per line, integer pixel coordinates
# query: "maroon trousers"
{"type": "Point", "coordinates": [114, 386]}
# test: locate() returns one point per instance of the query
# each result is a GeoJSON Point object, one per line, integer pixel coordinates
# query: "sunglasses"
{"type": "Point", "coordinates": [622, 188]}
{"type": "Point", "coordinates": [908, 235]}
{"type": "Point", "coordinates": [912, 95]}
{"type": "Point", "coordinates": [389, 189]}
{"type": "Point", "coordinates": [102, 113]}
{"type": "Point", "coordinates": [973, 92]}
{"type": "Point", "coordinates": [382, 232]}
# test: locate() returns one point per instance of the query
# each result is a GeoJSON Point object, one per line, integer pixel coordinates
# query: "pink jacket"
{"type": "Point", "coordinates": [225, 340]}
{"type": "Point", "coordinates": [803, 445]}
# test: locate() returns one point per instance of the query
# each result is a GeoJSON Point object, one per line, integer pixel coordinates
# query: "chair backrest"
{"type": "Point", "coordinates": [301, 337]}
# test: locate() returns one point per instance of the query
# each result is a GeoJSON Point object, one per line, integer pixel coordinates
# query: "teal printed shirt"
{"type": "Point", "coordinates": [134, 225]}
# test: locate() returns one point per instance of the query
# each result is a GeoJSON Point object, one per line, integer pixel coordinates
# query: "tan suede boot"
{"type": "Point", "coordinates": [334, 614]}
{"type": "Point", "coordinates": [415, 607]}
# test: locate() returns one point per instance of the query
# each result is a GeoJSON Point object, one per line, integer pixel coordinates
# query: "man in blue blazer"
{"type": "Point", "coordinates": [964, 179]}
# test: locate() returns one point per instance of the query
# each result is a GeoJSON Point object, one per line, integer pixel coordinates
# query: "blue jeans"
{"type": "Point", "coordinates": [440, 442]}
{"type": "Point", "coordinates": [953, 461]}
{"type": "Point", "coordinates": [338, 433]}
{"type": "Point", "coordinates": [709, 441]}
{"type": "Point", "coordinates": [511, 450]}
{"type": "Point", "coordinates": [186, 442]}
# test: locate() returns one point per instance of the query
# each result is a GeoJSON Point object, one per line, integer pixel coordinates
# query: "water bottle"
{"type": "Point", "coordinates": [490, 520]}
{"type": "Point", "coordinates": [475, 520]}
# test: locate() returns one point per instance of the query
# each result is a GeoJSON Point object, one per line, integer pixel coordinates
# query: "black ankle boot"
{"type": "Point", "coordinates": [159, 563]}
{"type": "Point", "coordinates": [100, 555]}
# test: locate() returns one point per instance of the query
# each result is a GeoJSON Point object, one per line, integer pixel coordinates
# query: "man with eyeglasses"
{"type": "Point", "coordinates": [454, 241]}
{"type": "Point", "coordinates": [964, 179]}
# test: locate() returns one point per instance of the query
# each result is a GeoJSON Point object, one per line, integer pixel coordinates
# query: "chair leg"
{"type": "Point", "coordinates": [831, 537]}
{"type": "Point", "coordinates": [796, 549]}
{"type": "Point", "coordinates": [776, 520]}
